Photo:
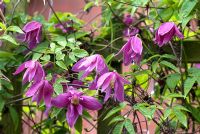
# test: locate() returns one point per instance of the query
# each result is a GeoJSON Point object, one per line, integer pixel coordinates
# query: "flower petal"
{"type": "Point", "coordinates": [47, 93]}
{"type": "Point", "coordinates": [90, 103]}
{"type": "Point", "coordinates": [34, 88]}
{"type": "Point", "coordinates": [62, 100]}
{"type": "Point", "coordinates": [72, 115]}
{"type": "Point", "coordinates": [20, 69]}
{"type": "Point", "coordinates": [119, 91]}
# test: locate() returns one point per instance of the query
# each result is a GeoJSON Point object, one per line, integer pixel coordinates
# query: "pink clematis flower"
{"type": "Point", "coordinates": [132, 51]}
{"type": "Point", "coordinates": [32, 34]}
{"type": "Point", "coordinates": [166, 32]}
{"type": "Point", "coordinates": [42, 89]}
{"type": "Point", "coordinates": [197, 65]}
{"type": "Point", "coordinates": [127, 32]}
{"type": "Point", "coordinates": [34, 71]}
{"type": "Point", "coordinates": [112, 80]}
{"type": "Point", "coordinates": [75, 102]}
{"type": "Point", "coordinates": [90, 63]}
{"type": "Point", "coordinates": [128, 19]}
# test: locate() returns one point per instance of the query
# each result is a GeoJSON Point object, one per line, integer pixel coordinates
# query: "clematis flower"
{"type": "Point", "coordinates": [197, 65]}
{"type": "Point", "coordinates": [127, 32]}
{"type": "Point", "coordinates": [112, 80]}
{"type": "Point", "coordinates": [132, 51]}
{"type": "Point", "coordinates": [166, 32]}
{"type": "Point", "coordinates": [65, 29]}
{"type": "Point", "coordinates": [33, 71]}
{"type": "Point", "coordinates": [128, 19]}
{"type": "Point", "coordinates": [88, 64]}
{"type": "Point", "coordinates": [41, 90]}
{"type": "Point", "coordinates": [75, 102]}
{"type": "Point", "coordinates": [32, 34]}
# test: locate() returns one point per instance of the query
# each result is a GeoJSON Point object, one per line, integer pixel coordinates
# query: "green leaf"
{"type": "Point", "coordinates": [9, 39]}
{"type": "Point", "coordinates": [167, 113]}
{"type": "Point", "coordinates": [146, 110]}
{"type": "Point", "coordinates": [181, 117]}
{"type": "Point", "coordinates": [2, 103]}
{"type": "Point", "coordinates": [3, 26]}
{"type": "Point", "coordinates": [115, 110]}
{"type": "Point", "coordinates": [118, 128]}
{"type": "Point", "coordinates": [195, 112]}
{"type": "Point", "coordinates": [172, 80]}
{"type": "Point", "coordinates": [80, 53]}
{"type": "Point", "coordinates": [188, 84]}
{"type": "Point", "coordinates": [78, 126]}
{"type": "Point", "coordinates": [109, 57]}
{"type": "Point", "coordinates": [88, 6]}
{"type": "Point", "coordinates": [168, 56]}
{"type": "Point", "coordinates": [116, 119]}
{"type": "Point", "coordinates": [170, 65]}
{"type": "Point", "coordinates": [180, 107]}
{"type": "Point", "coordinates": [187, 7]}
{"type": "Point", "coordinates": [61, 64]}
{"type": "Point", "coordinates": [61, 40]}
{"type": "Point", "coordinates": [186, 20]}
{"type": "Point", "coordinates": [15, 29]}
{"type": "Point", "coordinates": [45, 57]}
{"type": "Point", "coordinates": [14, 116]}
{"type": "Point", "coordinates": [72, 57]}
{"type": "Point", "coordinates": [154, 66]}
{"type": "Point", "coordinates": [4, 54]}
{"type": "Point", "coordinates": [166, 13]}
{"type": "Point", "coordinates": [129, 126]}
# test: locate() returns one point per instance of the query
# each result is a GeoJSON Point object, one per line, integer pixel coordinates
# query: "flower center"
{"type": "Point", "coordinates": [75, 100]}
{"type": "Point", "coordinates": [112, 84]}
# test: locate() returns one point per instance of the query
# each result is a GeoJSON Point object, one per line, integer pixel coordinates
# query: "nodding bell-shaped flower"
{"type": "Point", "coordinates": [112, 80]}
{"type": "Point", "coordinates": [128, 19]}
{"type": "Point", "coordinates": [132, 51]}
{"type": "Point", "coordinates": [41, 90]}
{"type": "Point", "coordinates": [34, 71]}
{"type": "Point", "coordinates": [75, 102]}
{"type": "Point", "coordinates": [166, 32]}
{"type": "Point", "coordinates": [90, 63]}
{"type": "Point", "coordinates": [32, 34]}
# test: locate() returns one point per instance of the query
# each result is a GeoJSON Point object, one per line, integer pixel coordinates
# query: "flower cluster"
{"type": "Point", "coordinates": [110, 83]}
{"type": "Point", "coordinates": [40, 88]}
{"type": "Point", "coordinates": [129, 30]}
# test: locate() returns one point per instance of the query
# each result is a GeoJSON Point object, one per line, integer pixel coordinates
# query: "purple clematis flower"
{"type": "Point", "coordinates": [128, 19]}
{"type": "Point", "coordinates": [32, 34]}
{"type": "Point", "coordinates": [197, 65]}
{"type": "Point", "coordinates": [166, 32]}
{"type": "Point", "coordinates": [34, 71]}
{"type": "Point", "coordinates": [75, 102]}
{"type": "Point", "coordinates": [88, 64]}
{"type": "Point", "coordinates": [42, 89]}
{"type": "Point", "coordinates": [128, 32]}
{"type": "Point", "coordinates": [112, 80]}
{"type": "Point", "coordinates": [65, 29]}
{"type": "Point", "coordinates": [132, 51]}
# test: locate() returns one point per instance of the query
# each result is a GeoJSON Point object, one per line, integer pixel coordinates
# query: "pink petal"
{"type": "Point", "coordinates": [165, 28]}
{"type": "Point", "coordinates": [61, 100]}
{"type": "Point", "coordinates": [48, 91]}
{"type": "Point", "coordinates": [34, 88]}
{"type": "Point", "coordinates": [72, 115]}
{"type": "Point", "coordinates": [119, 91]}
{"type": "Point", "coordinates": [90, 103]}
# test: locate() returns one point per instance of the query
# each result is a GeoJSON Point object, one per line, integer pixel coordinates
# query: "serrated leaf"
{"type": "Point", "coordinates": [195, 113]}
{"type": "Point", "coordinates": [115, 110]}
{"type": "Point", "coordinates": [61, 64]}
{"type": "Point", "coordinates": [181, 117]}
{"type": "Point", "coordinates": [118, 128]}
{"type": "Point", "coordinates": [180, 107]}
{"type": "Point", "coordinates": [9, 39]}
{"type": "Point", "coordinates": [154, 66]}
{"type": "Point", "coordinates": [116, 119]}
{"type": "Point", "coordinates": [188, 84]}
{"type": "Point", "coordinates": [15, 29]}
{"type": "Point", "coordinates": [168, 56]}
{"type": "Point", "coordinates": [170, 65]}
{"type": "Point", "coordinates": [129, 126]}
{"type": "Point", "coordinates": [172, 80]}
